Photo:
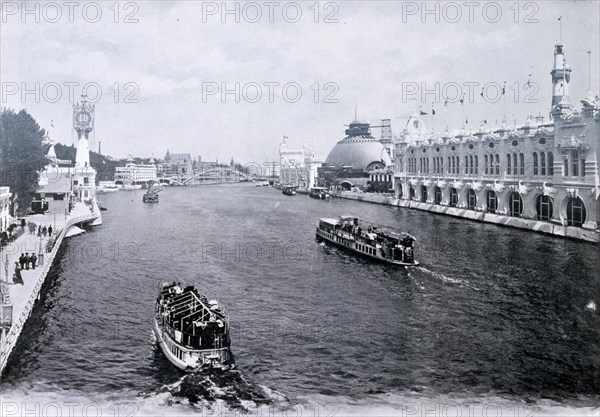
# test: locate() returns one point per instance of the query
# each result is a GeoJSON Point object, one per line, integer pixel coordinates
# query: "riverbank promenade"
{"type": "Point", "coordinates": [20, 299]}
{"type": "Point", "coordinates": [538, 226]}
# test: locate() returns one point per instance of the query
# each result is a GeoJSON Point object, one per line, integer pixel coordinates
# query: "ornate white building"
{"type": "Point", "coordinates": [4, 208]}
{"type": "Point", "coordinates": [543, 175]}
{"type": "Point", "coordinates": [297, 166]}
{"type": "Point", "coordinates": [133, 173]}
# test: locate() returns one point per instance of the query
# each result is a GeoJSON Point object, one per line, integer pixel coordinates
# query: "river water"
{"type": "Point", "coordinates": [495, 321]}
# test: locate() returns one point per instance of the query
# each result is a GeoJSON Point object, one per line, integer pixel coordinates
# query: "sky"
{"type": "Point", "coordinates": [222, 80]}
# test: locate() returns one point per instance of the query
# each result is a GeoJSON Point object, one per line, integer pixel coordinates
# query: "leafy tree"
{"type": "Point", "coordinates": [22, 155]}
{"type": "Point", "coordinates": [105, 167]}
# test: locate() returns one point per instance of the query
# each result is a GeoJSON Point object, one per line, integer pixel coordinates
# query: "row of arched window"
{"type": "Point", "coordinates": [576, 212]}
{"type": "Point", "coordinates": [543, 164]}
{"type": "Point", "coordinates": [491, 164]}
{"type": "Point", "coordinates": [541, 161]}
{"type": "Point", "coordinates": [515, 165]}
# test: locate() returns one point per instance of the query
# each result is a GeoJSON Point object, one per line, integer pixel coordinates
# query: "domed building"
{"type": "Point", "coordinates": [354, 158]}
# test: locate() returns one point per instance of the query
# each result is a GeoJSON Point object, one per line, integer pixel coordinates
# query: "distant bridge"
{"type": "Point", "coordinates": [221, 174]}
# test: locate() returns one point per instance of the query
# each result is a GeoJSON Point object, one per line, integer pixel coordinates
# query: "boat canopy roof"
{"type": "Point", "coordinates": [330, 221]}
{"type": "Point", "coordinates": [318, 189]}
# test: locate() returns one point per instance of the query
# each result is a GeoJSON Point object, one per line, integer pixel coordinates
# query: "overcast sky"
{"type": "Point", "coordinates": [360, 53]}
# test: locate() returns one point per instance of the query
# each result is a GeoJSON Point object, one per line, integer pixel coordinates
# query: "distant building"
{"type": "Point", "coordinates": [353, 159]}
{"type": "Point", "coordinates": [4, 208]}
{"type": "Point", "coordinates": [177, 165]}
{"type": "Point", "coordinates": [136, 174]}
{"type": "Point", "coordinates": [296, 166]}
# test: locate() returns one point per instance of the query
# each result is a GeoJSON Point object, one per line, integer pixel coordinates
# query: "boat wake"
{"type": "Point", "coordinates": [214, 388]}
{"type": "Point", "coordinates": [444, 278]}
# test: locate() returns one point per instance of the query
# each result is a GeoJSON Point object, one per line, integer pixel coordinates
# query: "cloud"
{"type": "Point", "coordinates": [368, 54]}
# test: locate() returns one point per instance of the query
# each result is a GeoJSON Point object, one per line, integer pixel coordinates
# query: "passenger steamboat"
{"type": "Point", "coordinates": [192, 331]}
{"type": "Point", "coordinates": [346, 232]}
{"type": "Point", "coordinates": [151, 195]}
{"type": "Point", "coordinates": [319, 192]}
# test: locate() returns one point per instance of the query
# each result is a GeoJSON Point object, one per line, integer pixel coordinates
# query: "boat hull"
{"type": "Point", "coordinates": [191, 359]}
{"type": "Point", "coordinates": [350, 246]}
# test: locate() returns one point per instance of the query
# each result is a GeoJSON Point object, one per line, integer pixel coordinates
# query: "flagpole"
{"type": "Point", "coordinates": [560, 29]}
{"type": "Point", "coordinates": [589, 70]}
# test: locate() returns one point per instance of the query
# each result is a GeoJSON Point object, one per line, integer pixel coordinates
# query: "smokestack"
{"type": "Point", "coordinates": [100, 147]}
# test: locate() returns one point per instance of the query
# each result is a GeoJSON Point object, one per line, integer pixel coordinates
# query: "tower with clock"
{"type": "Point", "coordinates": [84, 178]}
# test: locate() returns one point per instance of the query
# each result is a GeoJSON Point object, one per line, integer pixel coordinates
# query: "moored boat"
{"type": "Point", "coordinates": [192, 332]}
{"type": "Point", "coordinates": [347, 233]}
{"type": "Point", "coordinates": [319, 192]}
{"type": "Point", "coordinates": [289, 190]}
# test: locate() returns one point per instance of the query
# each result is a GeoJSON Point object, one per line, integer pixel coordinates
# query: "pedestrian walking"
{"type": "Point", "coordinates": [44, 231]}
{"type": "Point", "coordinates": [49, 231]}
{"type": "Point", "coordinates": [23, 224]}
{"type": "Point", "coordinates": [17, 277]}
{"type": "Point", "coordinates": [22, 260]}
{"type": "Point", "coordinates": [27, 261]}
{"type": "Point", "coordinates": [33, 259]}
{"type": "Point", "coordinates": [39, 230]}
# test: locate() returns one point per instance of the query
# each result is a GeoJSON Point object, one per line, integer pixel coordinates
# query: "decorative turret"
{"type": "Point", "coordinates": [561, 76]}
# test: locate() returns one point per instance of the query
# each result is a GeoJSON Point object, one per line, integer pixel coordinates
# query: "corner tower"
{"type": "Point", "coordinates": [561, 76]}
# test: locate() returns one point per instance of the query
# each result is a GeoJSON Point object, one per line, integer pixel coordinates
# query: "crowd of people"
{"type": "Point", "coordinates": [42, 231]}
{"type": "Point", "coordinates": [27, 261]}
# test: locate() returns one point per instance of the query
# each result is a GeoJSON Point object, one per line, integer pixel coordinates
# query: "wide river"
{"type": "Point", "coordinates": [494, 322]}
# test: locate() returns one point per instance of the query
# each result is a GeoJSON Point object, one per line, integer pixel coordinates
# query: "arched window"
{"type": "Point", "coordinates": [542, 163]}
{"type": "Point", "coordinates": [453, 197]}
{"type": "Point", "coordinates": [423, 194]}
{"type": "Point", "coordinates": [458, 164]}
{"type": "Point", "coordinates": [438, 195]}
{"type": "Point", "coordinates": [565, 167]}
{"type": "Point", "coordinates": [497, 164]}
{"type": "Point", "coordinates": [491, 201]}
{"type": "Point", "coordinates": [576, 213]}
{"type": "Point", "coordinates": [515, 164]}
{"type": "Point", "coordinates": [427, 164]}
{"type": "Point", "coordinates": [471, 199]}
{"type": "Point", "coordinates": [543, 207]}
{"type": "Point", "coordinates": [400, 189]}
{"type": "Point", "coordinates": [550, 163]}
{"type": "Point", "coordinates": [515, 204]}
{"type": "Point", "coordinates": [535, 163]}
{"type": "Point", "coordinates": [471, 165]}
{"type": "Point", "coordinates": [575, 163]}
{"type": "Point", "coordinates": [454, 164]}
{"type": "Point", "coordinates": [412, 192]}
{"type": "Point", "coordinates": [522, 164]}
{"type": "Point", "coordinates": [485, 164]}
{"type": "Point", "coordinates": [476, 165]}
{"type": "Point", "coordinates": [508, 164]}
{"type": "Point", "coordinates": [449, 165]}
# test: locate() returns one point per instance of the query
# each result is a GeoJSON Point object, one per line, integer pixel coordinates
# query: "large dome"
{"type": "Point", "coordinates": [358, 150]}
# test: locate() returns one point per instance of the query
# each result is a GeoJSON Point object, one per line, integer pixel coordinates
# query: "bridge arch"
{"type": "Point", "coordinates": [226, 170]}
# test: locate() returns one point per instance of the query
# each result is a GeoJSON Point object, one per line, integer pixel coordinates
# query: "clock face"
{"type": "Point", "coordinates": [83, 118]}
